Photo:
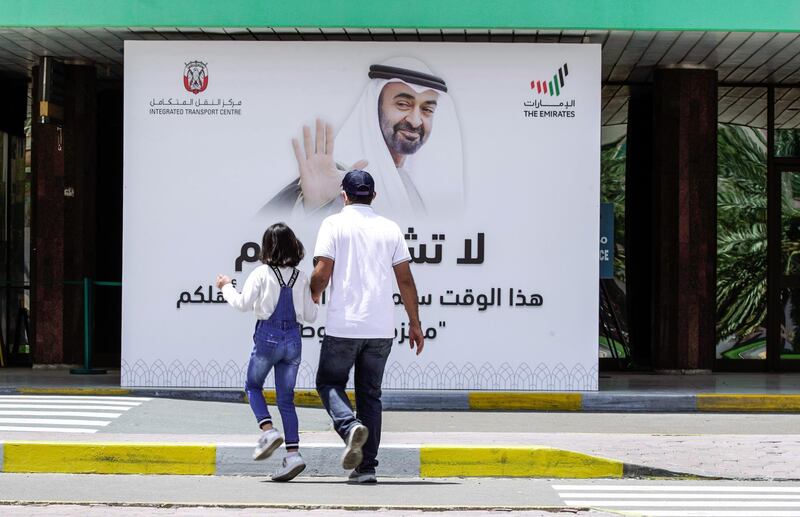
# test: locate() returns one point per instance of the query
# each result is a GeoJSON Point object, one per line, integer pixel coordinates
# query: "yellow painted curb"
{"type": "Point", "coordinates": [302, 398]}
{"type": "Point", "coordinates": [73, 391]}
{"type": "Point", "coordinates": [530, 401]}
{"type": "Point", "coordinates": [109, 458]}
{"type": "Point", "coordinates": [538, 462]}
{"type": "Point", "coordinates": [713, 402]}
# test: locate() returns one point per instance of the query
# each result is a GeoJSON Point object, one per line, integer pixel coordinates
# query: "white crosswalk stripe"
{"type": "Point", "coordinates": [62, 413]}
{"type": "Point", "coordinates": [66, 407]}
{"type": "Point", "coordinates": [72, 400]}
{"type": "Point", "coordinates": [59, 421]}
{"type": "Point", "coordinates": [681, 500]}
{"type": "Point", "coordinates": [46, 429]}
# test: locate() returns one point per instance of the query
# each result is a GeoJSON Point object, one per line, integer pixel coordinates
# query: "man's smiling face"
{"type": "Point", "coordinates": [405, 117]}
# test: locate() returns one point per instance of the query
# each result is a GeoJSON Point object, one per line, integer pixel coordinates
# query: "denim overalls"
{"type": "Point", "coordinates": [277, 344]}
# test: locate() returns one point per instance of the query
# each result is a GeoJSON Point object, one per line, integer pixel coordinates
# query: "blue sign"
{"type": "Point", "coordinates": [606, 240]}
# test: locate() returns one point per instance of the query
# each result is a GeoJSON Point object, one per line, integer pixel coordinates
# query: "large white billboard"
{"type": "Point", "coordinates": [494, 178]}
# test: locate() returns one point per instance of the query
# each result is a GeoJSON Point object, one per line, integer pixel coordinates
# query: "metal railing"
{"type": "Point", "coordinates": [88, 287]}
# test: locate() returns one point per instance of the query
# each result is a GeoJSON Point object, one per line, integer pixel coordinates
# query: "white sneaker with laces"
{"type": "Point", "coordinates": [352, 456]}
{"type": "Point", "coordinates": [293, 465]}
{"type": "Point", "coordinates": [267, 443]}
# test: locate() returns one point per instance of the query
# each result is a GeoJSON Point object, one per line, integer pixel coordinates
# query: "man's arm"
{"type": "Point", "coordinates": [408, 292]}
{"type": "Point", "coordinates": [323, 268]}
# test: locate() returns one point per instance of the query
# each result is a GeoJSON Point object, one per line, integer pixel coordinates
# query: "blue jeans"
{"type": "Point", "coordinates": [276, 346]}
{"type": "Point", "coordinates": [337, 356]}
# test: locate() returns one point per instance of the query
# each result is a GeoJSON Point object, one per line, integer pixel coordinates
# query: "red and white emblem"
{"type": "Point", "coordinates": [195, 77]}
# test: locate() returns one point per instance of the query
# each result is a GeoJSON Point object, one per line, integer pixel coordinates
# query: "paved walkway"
{"type": "Point", "coordinates": [635, 420]}
{"type": "Point", "coordinates": [731, 446]}
{"type": "Point", "coordinates": [619, 392]}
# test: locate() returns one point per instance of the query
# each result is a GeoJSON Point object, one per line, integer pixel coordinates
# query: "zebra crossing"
{"type": "Point", "coordinates": [62, 413]}
{"type": "Point", "coordinates": [681, 500]}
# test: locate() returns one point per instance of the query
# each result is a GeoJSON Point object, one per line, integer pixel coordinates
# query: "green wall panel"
{"type": "Point", "coordinates": [725, 15]}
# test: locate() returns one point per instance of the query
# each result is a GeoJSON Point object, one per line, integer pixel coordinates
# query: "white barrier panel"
{"type": "Point", "coordinates": [487, 155]}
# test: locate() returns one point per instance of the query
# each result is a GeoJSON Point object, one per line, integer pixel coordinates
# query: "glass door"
{"type": "Point", "coordinates": [784, 347]}
{"type": "Point", "coordinates": [15, 202]}
{"type": "Point", "coordinates": [783, 207]}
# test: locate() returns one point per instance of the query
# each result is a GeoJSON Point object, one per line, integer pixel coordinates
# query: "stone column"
{"type": "Point", "coordinates": [47, 266]}
{"type": "Point", "coordinates": [684, 218]}
{"type": "Point", "coordinates": [63, 165]}
{"type": "Point", "coordinates": [80, 221]}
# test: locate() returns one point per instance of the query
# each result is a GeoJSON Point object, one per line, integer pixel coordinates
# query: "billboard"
{"type": "Point", "coordinates": [485, 154]}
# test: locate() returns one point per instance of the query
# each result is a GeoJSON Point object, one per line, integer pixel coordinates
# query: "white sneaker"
{"type": "Point", "coordinates": [352, 456]}
{"type": "Point", "coordinates": [292, 466]}
{"type": "Point", "coordinates": [267, 443]}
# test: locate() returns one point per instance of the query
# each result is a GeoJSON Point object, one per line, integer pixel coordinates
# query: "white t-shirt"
{"type": "Point", "coordinates": [364, 247]}
{"type": "Point", "coordinates": [261, 291]}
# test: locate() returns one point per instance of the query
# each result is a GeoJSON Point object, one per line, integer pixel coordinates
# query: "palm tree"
{"type": "Point", "coordinates": [741, 231]}
{"type": "Point", "coordinates": [612, 190]}
{"type": "Point", "coordinates": [741, 226]}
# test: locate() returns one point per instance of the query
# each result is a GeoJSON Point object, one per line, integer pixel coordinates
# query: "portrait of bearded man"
{"type": "Point", "coordinates": [403, 130]}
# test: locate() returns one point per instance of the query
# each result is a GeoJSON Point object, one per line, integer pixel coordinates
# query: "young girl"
{"type": "Point", "coordinates": [280, 296]}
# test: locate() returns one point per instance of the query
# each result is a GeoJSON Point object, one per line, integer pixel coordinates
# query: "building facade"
{"type": "Point", "coordinates": [700, 157]}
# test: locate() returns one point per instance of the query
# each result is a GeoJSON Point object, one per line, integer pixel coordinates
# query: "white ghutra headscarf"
{"type": "Point", "coordinates": [435, 170]}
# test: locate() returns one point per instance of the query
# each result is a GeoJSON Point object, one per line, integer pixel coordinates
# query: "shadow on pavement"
{"type": "Point", "coordinates": [398, 482]}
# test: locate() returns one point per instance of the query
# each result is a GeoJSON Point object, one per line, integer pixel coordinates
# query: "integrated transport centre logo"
{"type": "Point", "coordinates": [195, 81]}
{"type": "Point", "coordinates": [195, 77]}
{"type": "Point", "coordinates": [541, 106]}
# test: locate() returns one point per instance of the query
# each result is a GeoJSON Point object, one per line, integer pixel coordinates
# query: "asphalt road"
{"type": "Point", "coordinates": [167, 416]}
{"type": "Point", "coordinates": [191, 495]}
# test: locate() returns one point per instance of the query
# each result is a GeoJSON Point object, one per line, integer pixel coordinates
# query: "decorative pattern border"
{"type": "Point", "coordinates": [413, 377]}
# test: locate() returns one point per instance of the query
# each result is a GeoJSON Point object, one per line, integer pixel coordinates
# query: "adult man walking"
{"type": "Point", "coordinates": [360, 252]}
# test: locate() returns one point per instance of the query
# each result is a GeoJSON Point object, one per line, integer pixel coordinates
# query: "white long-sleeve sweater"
{"type": "Point", "coordinates": [261, 291]}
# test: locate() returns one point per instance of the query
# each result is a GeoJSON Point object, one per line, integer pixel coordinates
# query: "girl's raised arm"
{"type": "Point", "coordinates": [244, 301]}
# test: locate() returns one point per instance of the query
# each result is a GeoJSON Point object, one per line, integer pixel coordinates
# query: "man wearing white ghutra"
{"type": "Point", "coordinates": [403, 130]}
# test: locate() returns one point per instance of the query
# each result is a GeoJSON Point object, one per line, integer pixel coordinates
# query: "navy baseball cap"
{"type": "Point", "coordinates": [358, 183]}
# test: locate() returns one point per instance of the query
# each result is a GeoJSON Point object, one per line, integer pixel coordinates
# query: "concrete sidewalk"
{"type": "Point", "coordinates": [118, 434]}
{"type": "Point", "coordinates": [430, 455]}
{"type": "Point", "coordinates": [124, 434]}
{"type": "Point", "coordinates": [199, 456]}
{"type": "Point", "coordinates": [619, 392]}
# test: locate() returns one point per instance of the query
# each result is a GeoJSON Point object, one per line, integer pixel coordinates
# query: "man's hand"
{"type": "Point", "coordinates": [320, 180]}
{"type": "Point", "coordinates": [416, 337]}
{"type": "Point", "coordinates": [323, 269]}
{"type": "Point", "coordinates": [222, 280]}
{"type": "Point", "coordinates": [408, 293]}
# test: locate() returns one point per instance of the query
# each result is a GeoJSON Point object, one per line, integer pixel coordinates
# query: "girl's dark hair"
{"type": "Point", "coordinates": [280, 247]}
